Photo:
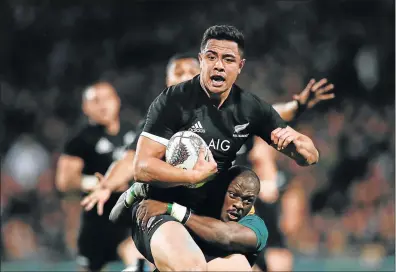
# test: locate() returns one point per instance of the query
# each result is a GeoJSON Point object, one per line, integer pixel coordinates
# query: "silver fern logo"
{"type": "Point", "coordinates": [238, 129]}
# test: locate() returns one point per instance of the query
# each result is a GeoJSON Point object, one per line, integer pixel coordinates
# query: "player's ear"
{"type": "Point", "coordinates": [241, 64]}
{"type": "Point", "coordinates": [84, 108]}
{"type": "Point", "coordinates": [200, 60]}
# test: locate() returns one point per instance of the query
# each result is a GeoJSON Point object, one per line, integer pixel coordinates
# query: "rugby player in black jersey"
{"type": "Point", "coordinates": [91, 150]}
{"type": "Point", "coordinates": [183, 67]}
{"type": "Point", "coordinates": [228, 116]}
{"type": "Point", "coordinates": [287, 111]}
{"type": "Point", "coordinates": [224, 241]}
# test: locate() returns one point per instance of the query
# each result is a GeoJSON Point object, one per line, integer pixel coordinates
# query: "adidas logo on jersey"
{"type": "Point", "coordinates": [197, 128]}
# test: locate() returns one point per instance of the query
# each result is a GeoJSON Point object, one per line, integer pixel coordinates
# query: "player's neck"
{"type": "Point", "coordinates": [218, 99]}
{"type": "Point", "coordinates": [113, 127]}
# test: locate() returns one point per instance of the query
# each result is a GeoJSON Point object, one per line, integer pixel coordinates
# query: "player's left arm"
{"type": "Point", "coordinates": [272, 128]}
{"type": "Point", "coordinates": [248, 236]}
{"type": "Point", "coordinates": [295, 145]}
{"type": "Point", "coordinates": [313, 93]}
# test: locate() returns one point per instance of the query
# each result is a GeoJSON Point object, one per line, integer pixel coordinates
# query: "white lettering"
{"type": "Point", "coordinates": [240, 135]}
{"type": "Point", "coordinates": [197, 130]}
{"type": "Point", "coordinates": [226, 146]}
{"type": "Point", "coordinates": [211, 144]}
{"type": "Point", "coordinates": [220, 145]}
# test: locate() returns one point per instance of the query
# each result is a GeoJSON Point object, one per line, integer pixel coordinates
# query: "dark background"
{"type": "Point", "coordinates": [51, 50]}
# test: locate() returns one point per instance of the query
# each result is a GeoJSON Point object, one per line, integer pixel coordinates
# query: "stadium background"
{"type": "Point", "coordinates": [339, 215]}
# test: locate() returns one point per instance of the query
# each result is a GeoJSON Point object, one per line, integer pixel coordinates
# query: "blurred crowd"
{"type": "Point", "coordinates": [344, 206]}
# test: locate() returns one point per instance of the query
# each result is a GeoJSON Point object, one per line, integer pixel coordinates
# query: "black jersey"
{"type": "Point", "coordinates": [98, 150]}
{"type": "Point", "coordinates": [139, 130]}
{"type": "Point", "coordinates": [242, 156]}
{"type": "Point", "coordinates": [186, 106]}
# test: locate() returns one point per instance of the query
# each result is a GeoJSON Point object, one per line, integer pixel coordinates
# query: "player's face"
{"type": "Point", "coordinates": [181, 70]}
{"type": "Point", "coordinates": [220, 63]}
{"type": "Point", "coordinates": [102, 105]}
{"type": "Point", "coordinates": [239, 199]}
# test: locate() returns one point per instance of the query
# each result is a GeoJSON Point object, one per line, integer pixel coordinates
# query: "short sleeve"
{"type": "Point", "coordinates": [139, 130]}
{"type": "Point", "coordinates": [257, 225]}
{"type": "Point", "coordinates": [75, 146]}
{"type": "Point", "coordinates": [267, 121]}
{"type": "Point", "coordinates": [163, 118]}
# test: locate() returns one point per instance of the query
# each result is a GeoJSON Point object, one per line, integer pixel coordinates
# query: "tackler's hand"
{"type": "Point", "coordinates": [147, 209]}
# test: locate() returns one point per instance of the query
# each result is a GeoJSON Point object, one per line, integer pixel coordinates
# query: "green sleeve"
{"type": "Point", "coordinates": [257, 225]}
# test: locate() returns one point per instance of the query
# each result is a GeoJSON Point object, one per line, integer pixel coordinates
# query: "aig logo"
{"type": "Point", "coordinates": [223, 145]}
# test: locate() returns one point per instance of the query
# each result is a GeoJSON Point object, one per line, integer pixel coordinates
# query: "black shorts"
{"type": "Point", "coordinates": [98, 240]}
{"type": "Point", "coordinates": [142, 238]}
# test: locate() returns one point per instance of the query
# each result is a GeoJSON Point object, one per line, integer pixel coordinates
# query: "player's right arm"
{"type": "Point", "coordinates": [163, 120]}
{"type": "Point", "coordinates": [70, 165]}
{"type": "Point", "coordinates": [248, 235]}
{"type": "Point", "coordinates": [68, 173]}
{"type": "Point", "coordinates": [271, 128]}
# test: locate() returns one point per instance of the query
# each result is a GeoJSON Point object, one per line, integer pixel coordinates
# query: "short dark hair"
{"type": "Point", "coordinates": [224, 32]}
{"type": "Point", "coordinates": [180, 56]}
{"type": "Point", "coordinates": [243, 172]}
{"type": "Point", "coordinates": [237, 171]}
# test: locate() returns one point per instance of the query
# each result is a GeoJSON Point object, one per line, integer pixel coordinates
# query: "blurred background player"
{"type": "Point", "coordinates": [262, 157]}
{"type": "Point", "coordinates": [92, 150]}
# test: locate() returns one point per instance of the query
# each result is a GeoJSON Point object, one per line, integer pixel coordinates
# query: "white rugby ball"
{"type": "Point", "coordinates": [183, 148]}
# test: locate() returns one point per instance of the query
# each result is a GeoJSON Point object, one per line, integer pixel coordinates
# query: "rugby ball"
{"type": "Point", "coordinates": [182, 151]}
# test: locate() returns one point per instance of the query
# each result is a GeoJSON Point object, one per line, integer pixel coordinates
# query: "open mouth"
{"type": "Point", "coordinates": [233, 215]}
{"type": "Point", "coordinates": [217, 80]}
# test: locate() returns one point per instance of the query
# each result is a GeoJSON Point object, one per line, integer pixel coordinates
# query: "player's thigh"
{"type": "Point", "coordinates": [174, 249]}
{"type": "Point", "coordinates": [166, 243]}
{"type": "Point", "coordinates": [234, 262]}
